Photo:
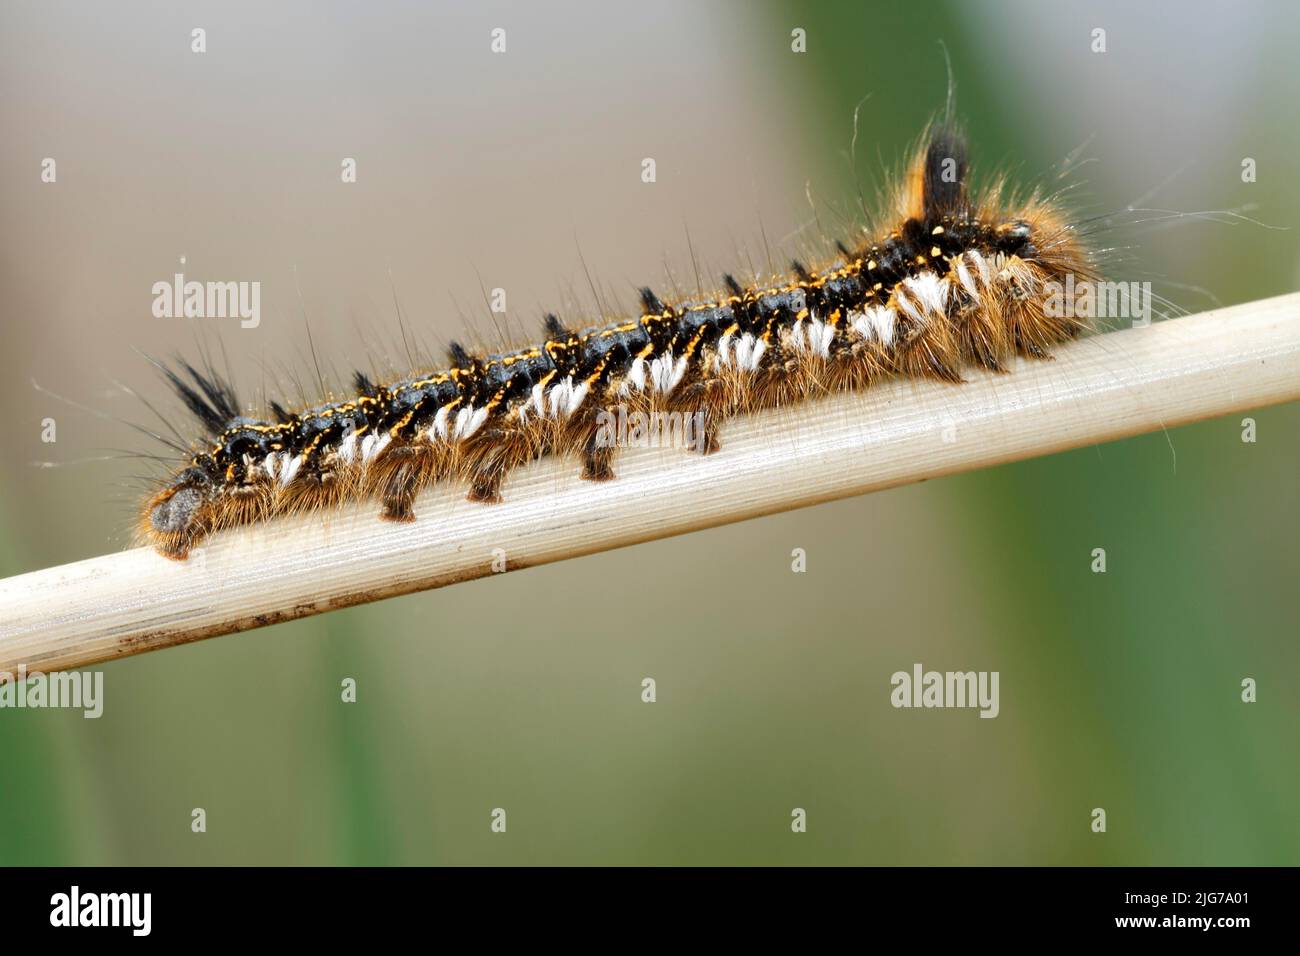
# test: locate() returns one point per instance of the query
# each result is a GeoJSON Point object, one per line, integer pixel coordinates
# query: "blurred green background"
{"type": "Point", "coordinates": [1118, 690]}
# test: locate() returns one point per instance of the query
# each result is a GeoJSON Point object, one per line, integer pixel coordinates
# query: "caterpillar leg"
{"type": "Point", "coordinates": [485, 486]}
{"type": "Point", "coordinates": [1032, 315]}
{"type": "Point", "coordinates": [928, 344]}
{"type": "Point", "coordinates": [702, 406]}
{"type": "Point", "coordinates": [400, 473]}
{"type": "Point", "coordinates": [494, 454]}
{"type": "Point", "coordinates": [597, 452]}
{"type": "Point", "coordinates": [979, 320]}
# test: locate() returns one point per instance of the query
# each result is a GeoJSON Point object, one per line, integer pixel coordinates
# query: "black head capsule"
{"type": "Point", "coordinates": [176, 513]}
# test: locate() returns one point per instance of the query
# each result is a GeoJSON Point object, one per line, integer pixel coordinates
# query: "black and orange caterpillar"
{"type": "Point", "coordinates": [958, 278]}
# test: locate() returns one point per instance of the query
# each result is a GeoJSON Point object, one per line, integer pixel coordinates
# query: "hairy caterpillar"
{"type": "Point", "coordinates": [949, 277]}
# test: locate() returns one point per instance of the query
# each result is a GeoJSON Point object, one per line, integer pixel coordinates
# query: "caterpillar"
{"type": "Point", "coordinates": [947, 277]}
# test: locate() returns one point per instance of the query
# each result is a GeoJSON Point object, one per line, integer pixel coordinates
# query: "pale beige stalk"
{"type": "Point", "coordinates": [1102, 388]}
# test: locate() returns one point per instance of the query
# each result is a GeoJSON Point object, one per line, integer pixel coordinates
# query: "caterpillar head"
{"type": "Point", "coordinates": [180, 513]}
